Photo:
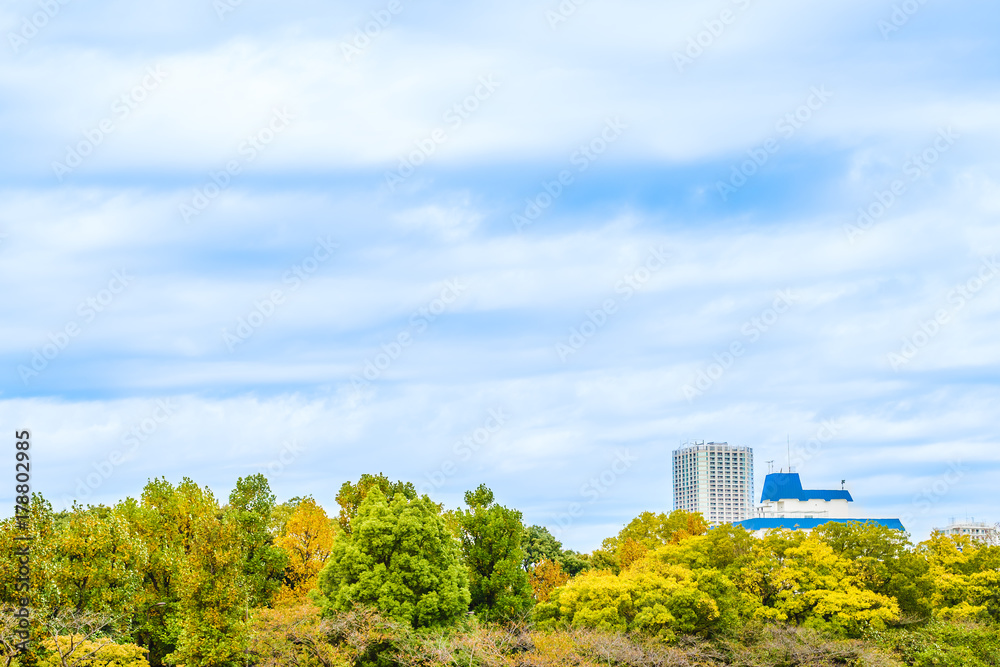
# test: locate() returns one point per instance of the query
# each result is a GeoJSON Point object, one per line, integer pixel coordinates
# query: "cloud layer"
{"type": "Point", "coordinates": [226, 279]}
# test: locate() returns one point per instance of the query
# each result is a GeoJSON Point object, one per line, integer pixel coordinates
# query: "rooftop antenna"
{"type": "Point", "coordinates": [770, 467]}
{"type": "Point", "coordinates": [842, 482]}
{"type": "Point", "coordinates": [788, 444]}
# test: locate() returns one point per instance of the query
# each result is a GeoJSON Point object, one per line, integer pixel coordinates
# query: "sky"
{"type": "Point", "coordinates": [532, 245]}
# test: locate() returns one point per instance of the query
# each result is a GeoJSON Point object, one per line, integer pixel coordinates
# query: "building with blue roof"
{"type": "Point", "coordinates": [785, 504]}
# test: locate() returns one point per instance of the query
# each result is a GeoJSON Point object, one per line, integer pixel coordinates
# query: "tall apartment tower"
{"type": "Point", "coordinates": [715, 479]}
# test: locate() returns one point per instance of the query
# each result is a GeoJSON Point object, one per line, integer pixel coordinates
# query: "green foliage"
{"type": "Point", "coordinates": [941, 644]}
{"type": "Point", "coordinates": [351, 495]}
{"type": "Point", "coordinates": [539, 544]}
{"type": "Point", "coordinates": [191, 582]}
{"type": "Point", "coordinates": [97, 561]}
{"type": "Point", "coordinates": [401, 560]}
{"type": "Point", "coordinates": [213, 593]}
{"type": "Point", "coordinates": [491, 546]}
{"type": "Point", "coordinates": [251, 505]}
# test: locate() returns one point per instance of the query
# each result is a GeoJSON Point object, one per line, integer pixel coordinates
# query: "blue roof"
{"type": "Point", "coordinates": [788, 486]}
{"type": "Point", "coordinates": [809, 524]}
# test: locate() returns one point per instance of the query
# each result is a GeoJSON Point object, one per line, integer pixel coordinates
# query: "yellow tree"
{"type": "Point", "coordinates": [98, 562]}
{"type": "Point", "coordinates": [545, 577]}
{"type": "Point", "coordinates": [214, 597]}
{"type": "Point", "coordinates": [306, 540]}
{"type": "Point", "coordinates": [629, 551]}
{"type": "Point", "coordinates": [815, 588]}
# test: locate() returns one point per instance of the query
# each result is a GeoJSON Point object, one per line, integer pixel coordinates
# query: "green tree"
{"type": "Point", "coordinates": [197, 595]}
{"type": "Point", "coordinates": [351, 495]}
{"type": "Point", "coordinates": [491, 544]}
{"type": "Point", "coordinates": [164, 519]}
{"type": "Point", "coordinates": [96, 562]}
{"type": "Point", "coordinates": [214, 596]}
{"type": "Point", "coordinates": [251, 503]}
{"type": "Point", "coordinates": [399, 558]}
{"type": "Point", "coordinates": [540, 544]}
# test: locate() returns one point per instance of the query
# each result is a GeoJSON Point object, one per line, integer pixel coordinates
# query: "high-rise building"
{"type": "Point", "coordinates": [715, 479]}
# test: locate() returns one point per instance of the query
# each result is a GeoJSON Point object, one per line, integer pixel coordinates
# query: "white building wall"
{"type": "Point", "coordinates": [794, 508]}
{"type": "Point", "coordinates": [715, 479]}
{"type": "Point", "coordinates": [978, 531]}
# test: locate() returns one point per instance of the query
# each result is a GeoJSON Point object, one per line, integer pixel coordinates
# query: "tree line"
{"type": "Point", "coordinates": [177, 577]}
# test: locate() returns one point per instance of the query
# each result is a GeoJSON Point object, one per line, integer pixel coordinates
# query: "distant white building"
{"type": "Point", "coordinates": [715, 479]}
{"type": "Point", "coordinates": [978, 531]}
{"type": "Point", "coordinates": [785, 504]}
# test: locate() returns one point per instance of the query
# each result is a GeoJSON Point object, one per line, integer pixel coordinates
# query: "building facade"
{"type": "Point", "coordinates": [977, 531]}
{"type": "Point", "coordinates": [784, 498]}
{"type": "Point", "coordinates": [784, 504]}
{"type": "Point", "coordinates": [715, 479]}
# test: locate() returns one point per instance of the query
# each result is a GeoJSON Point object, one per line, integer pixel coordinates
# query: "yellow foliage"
{"type": "Point", "coordinates": [630, 551]}
{"type": "Point", "coordinates": [292, 636]}
{"type": "Point", "coordinates": [307, 539]}
{"type": "Point", "coordinates": [651, 596]}
{"type": "Point", "coordinates": [77, 651]}
{"type": "Point", "coordinates": [814, 587]}
{"type": "Point", "coordinates": [546, 577]}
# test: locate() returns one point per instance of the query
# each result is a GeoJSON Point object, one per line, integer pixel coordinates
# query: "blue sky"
{"type": "Point", "coordinates": [551, 336]}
